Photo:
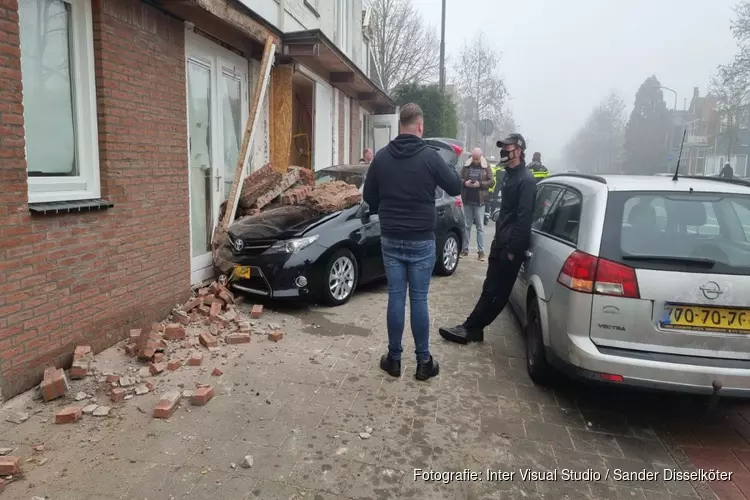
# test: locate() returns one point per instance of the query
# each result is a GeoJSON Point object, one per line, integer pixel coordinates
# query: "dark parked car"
{"type": "Point", "coordinates": [291, 251]}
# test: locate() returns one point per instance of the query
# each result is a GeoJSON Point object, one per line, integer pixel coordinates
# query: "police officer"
{"type": "Point", "coordinates": [512, 238]}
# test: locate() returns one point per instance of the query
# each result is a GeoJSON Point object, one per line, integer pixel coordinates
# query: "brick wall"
{"type": "Point", "coordinates": [355, 148]}
{"type": "Point", "coordinates": [88, 278]}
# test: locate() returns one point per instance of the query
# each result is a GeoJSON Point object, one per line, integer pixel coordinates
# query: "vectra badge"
{"type": "Point", "coordinates": [711, 290]}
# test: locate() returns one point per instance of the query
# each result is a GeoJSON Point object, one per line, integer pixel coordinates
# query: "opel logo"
{"type": "Point", "coordinates": [711, 290]}
{"type": "Point", "coordinates": [239, 245]}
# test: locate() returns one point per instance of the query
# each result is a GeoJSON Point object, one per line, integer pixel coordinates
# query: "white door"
{"type": "Point", "coordinates": [217, 85]}
{"type": "Point", "coordinates": [383, 128]}
{"type": "Point", "coordinates": [323, 134]}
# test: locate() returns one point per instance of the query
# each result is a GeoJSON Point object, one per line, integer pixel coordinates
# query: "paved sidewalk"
{"type": "Point", "coordinates": [299, 407]}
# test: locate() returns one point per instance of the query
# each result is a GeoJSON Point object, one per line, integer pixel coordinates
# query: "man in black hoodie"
{"type": "Point", "coordinates": [508, 251]}
{"type": "Point", "coordinates": [400, 187]}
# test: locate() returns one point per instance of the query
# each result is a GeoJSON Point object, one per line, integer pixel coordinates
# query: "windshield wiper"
{"type": "Point", "coordinates": [696, 261]}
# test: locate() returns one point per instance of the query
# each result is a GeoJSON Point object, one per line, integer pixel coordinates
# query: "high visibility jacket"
{"type": "Point", "coordinates": [495, 168]}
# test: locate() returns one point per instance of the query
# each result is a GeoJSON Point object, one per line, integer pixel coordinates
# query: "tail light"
{"type": "Point", "coordinates": [459, 202]}
{"type": "Point", "coordinates": [457, 149]}
{"type": "Point", "coordinates": [588, 274]}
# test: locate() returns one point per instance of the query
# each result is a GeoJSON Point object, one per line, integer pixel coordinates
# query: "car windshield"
{"type": "Point", "coordinates": [354, 175]}
{"type": "Point", "coordinates": [691, 232]}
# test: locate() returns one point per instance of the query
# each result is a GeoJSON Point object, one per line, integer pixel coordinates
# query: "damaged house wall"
{"type": "Point", "coordinates": [87, 278]}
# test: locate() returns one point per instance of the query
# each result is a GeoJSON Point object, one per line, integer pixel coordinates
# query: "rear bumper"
{"type": "Point", "coordinates": [583, 359]}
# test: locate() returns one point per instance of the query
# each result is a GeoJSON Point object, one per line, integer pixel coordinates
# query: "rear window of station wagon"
{"type": "Point", "coordinates": [687, 232]}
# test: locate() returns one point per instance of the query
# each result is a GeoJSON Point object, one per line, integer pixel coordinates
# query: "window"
{"type": "Point", "coordinates": [566, 217]}
{"type": "Point", "coordinates": [740, 165]}
{"type": "Point", "coordinates": [682, 232]}
{"type": "Point", "coordinates": [545, 198]}
{"type": "Point", "coordinates": [744, 118]}
{"type": "Point", "coordinates": [343, 14]}
{"type": "Point", "coordinates": [59, 99]}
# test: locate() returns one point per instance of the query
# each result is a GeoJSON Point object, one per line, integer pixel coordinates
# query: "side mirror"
{"type": "Point", "coordinates": [495, 215]}
{"type": "Point", "coordinates": [364, 211]}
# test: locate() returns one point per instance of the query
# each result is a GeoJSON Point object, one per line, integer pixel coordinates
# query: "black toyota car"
{"type": "Point", "coordinates": [290, 251]}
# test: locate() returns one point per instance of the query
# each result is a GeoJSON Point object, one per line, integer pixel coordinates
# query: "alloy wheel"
{"type": "Point", "coordinates": [341, 278]}
{"type": "Point", "coordinates": [450, 253]}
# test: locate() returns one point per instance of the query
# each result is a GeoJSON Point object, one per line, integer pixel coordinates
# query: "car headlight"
{"type": "Point", "coordinates": [293, 245]}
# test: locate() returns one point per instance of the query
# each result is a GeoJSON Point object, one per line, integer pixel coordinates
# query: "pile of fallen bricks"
{"type": "Point", "coordinates": [214, 322]}
{"type": "Point", "coordinates": [295, 187]}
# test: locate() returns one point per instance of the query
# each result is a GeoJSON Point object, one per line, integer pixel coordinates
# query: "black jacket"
{"type": "Point", "coordinates": [400, 188]}
{"type": "Point", "coordinates": [513, 227]}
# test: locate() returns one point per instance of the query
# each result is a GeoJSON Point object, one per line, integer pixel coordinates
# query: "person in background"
{"type": "Point", "coordinates": [400, 187]}
{"type": "Point", "coordinates": [727, 172]}
{"type": "Point", "coordinates": [366, 156]}
{"type": "Point", "coordinates": [477, 178]}
{"type": "Point", "coordinates": [536, 163]}
{"type": "Point", "coordinates": [512, 239]}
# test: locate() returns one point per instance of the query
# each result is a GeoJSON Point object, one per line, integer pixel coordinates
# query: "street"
{"type": "Point", "coordinates": [321, 421]}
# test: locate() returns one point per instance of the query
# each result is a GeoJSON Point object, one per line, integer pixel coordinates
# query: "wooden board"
{"type": "Point", "coordinates": [281, 118]}
{"type": "Point", "coordinates": [259, 95]}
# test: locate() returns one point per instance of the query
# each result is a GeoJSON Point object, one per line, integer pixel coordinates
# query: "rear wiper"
{"type": "Point", "coordinates": [707, 263]}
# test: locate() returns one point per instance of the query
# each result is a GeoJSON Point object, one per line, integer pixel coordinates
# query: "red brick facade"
{"type": "Point", "coordinates": [88, 278]}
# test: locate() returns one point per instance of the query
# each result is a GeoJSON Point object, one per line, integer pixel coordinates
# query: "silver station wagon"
{"type": "Point", "coordinates": [639, 280]}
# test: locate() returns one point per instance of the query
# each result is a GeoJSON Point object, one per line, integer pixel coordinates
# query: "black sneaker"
{"type": "Point", "coordinates": [464, 253]}
{"type": "Point", "coordinates": [427, 370]}
{"type": "Point", "coordinates": [390, 366]}
{"type": "Point", "coordinates": [461, 335]}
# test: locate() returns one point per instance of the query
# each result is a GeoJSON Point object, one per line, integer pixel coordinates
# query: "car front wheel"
{"type": "Point", "coordinates": [446, 261]}
{"type": "Point", "coordinates": [536, 361]}
{"type": "Point", "coordinates": [339, 278]}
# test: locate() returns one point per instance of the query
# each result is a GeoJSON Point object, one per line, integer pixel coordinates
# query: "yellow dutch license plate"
{"type": "Point", "coordinates": [711, 319]}
{"type": "Point", "coordinates": [242, 272]}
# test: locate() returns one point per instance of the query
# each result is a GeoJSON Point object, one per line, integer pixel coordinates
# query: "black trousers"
{"type": "Point", "coordinates": [498, 284]}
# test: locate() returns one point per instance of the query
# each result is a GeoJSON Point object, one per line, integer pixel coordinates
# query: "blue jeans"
{"type": "Point", "coordinates": [408, 262]}
{"type": "Point", "coordinates": [474, 215]}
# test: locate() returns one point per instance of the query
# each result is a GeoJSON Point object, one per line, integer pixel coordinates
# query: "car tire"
{"type": "Point", "coordinates": [537, 366]}
{"type": "Point", "coordinates": [446, 259]}
{"type": "Point", "coordinates": [340, 278]}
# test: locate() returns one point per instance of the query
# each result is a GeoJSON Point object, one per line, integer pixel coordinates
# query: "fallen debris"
{"type": "Point", "coordinates": [202, 395]}
{"type": "Point", "coordinates": [101, 411]}
{"type": "Point", "coordinates": [68, 415]}
{"type": "Point", "coordinates": [364, 435]}
{"type": "Point", "coordinates": [217, 372]}
{"type": "Point", "coordinates": [9, 465]}
{"type": "Point", "coordinates": [54, 385]}
{"type": "Point", "coordinates": [238, 338]}
{"type": "Point", "coordinates": [195, 359]}
{"type": "Point", "coordinates": [89, 409]}
{"type": "Point", "coordinates": [167, 404]}
{"type": "Point", "coordinates": [17, 418]}
{"type": "Point", "coordinates": [257, 311]}
{"type": "Point", "coordinates": [275, 336]}
{"type": "Point", "coordinates": [247, 462]}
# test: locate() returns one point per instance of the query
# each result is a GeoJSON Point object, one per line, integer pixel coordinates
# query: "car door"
{"type": "Point", "coordinates": [369, 241]}
{"type": "Point", "coordinates": [533, 263]}
{"type": "Point", "coordinates": [442, 206]}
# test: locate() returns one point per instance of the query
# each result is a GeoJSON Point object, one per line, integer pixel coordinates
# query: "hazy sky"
{"type": "Point", "coordinates": [559, 59]}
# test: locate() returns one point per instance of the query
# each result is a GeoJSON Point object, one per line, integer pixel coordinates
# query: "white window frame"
{"type": "Point", "coordinates": [86, 185]}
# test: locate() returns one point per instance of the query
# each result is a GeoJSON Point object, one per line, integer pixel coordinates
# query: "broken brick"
{"type": "Point", "coordinates": [167, 404]}
{"type": "Point", "coordinates": [195, 359]}
{"type": "Point", "coordinates": [208, 299]}
{"type": "Point", "coordinates": [134, 335]}
{"type": "Point", "coordinates": [203, 291]}
{"type": "Point", "coordinates": [214, 287]}
{"type": "Point", "coordinates": [257, 184]}
{"type": "Point", "coordinates": [80, 368]}
{"type": "Point", "coordinates": [275, 336]}
{"type": "Point", "coordinates": [156, 368]}
{"type": "Point", "coordinates": [173, 365]}
{"type": "Point", "coordinates": [333, 196]}
{"type": "Point", "coordinates": [157, 327]}
{"type": "Point", "coordinates": [181, 317]}
{"type": "Point", "coordinates": [118, 395]}
{"type": "Point", "coordinates": [204, 310]}
{"type": "Point", "coordinates": [220, 320]}
{"type": "Point", "coordinates": [10, 465]}
{"type": "Point", "coordinates": [131, 349]}
{"type": "Point", "coordinates": [159, 357]}
{"type": "Point", "coordinates": [2, 485]}
{"type": "Point", "coordinates": [231, 315]}
{"type": "Point", "coordinates": [213, 329]}
{"type": "Point", "coordinates": [244, 327]}
{"type": "Point", "coordinates": [54, 385]}
{"type": "Point", "coordinates": [226, 296]}
{"type": "Point", "coordinates": [215, 309]}
{"type": "Point", "coordinates": [81, 351]}
{"type": "Point", "coordinates": [174, 331]}
{"type": "Point", "coordinates": [208, 340]}
{"type": "Point", "coordinates": [238, 338]}
{"type": "Point", "coordinates": [150, 386]}
{"type": "Point", "coordinates": [217, 372]}
{"type": "Point", "coordinates": [202, 395]}
{"type": "Point", "coordinates": [113, 379]}
{"type": "Point", "coordinates": [257, 311]}
{"type": "Point", "coordinates": [68, 415]}
{"type": "Point", "coordinates": [296, 196]}
{"type": "Point", "coordinates": [192, 304]}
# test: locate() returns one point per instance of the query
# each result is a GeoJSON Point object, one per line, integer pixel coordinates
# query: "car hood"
{"type": "Point", "coordinates": [278, 223]}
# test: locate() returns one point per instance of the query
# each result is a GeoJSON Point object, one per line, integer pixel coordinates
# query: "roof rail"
{"type": "Point", "coordinates": [734, 180]}
{"type": "Point", "coordinates": [591, 177]}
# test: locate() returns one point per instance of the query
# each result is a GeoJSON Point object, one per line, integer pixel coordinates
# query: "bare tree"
{"type": "Point", "coordinates": [403, 46]}
{"type": "Point", "coordinates": [731, 89]}
{"type": "Point", "coordinates": [597, 146]}
{"type": "Point", "coordinates": [480, 87]}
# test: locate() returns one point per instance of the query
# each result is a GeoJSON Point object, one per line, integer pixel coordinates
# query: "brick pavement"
{"type": "Point", "coordinates": [298, 407]}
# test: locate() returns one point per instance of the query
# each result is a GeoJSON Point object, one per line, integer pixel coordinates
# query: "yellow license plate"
{"type": "Point", "coordinates": [242, 272]}
{"type": "Point", "coordinates": [713, 319]}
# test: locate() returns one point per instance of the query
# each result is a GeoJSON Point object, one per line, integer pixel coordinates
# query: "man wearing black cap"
{"type": "Point", "coordinates": [512, 238]}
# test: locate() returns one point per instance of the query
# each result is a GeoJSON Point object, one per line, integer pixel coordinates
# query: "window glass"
{"type": "Point", "coordinates": [544, 200]}
{"type": "Point", "coordinates": [48, 87]}
{"type": "Point", "coordinates": [743, 213]}
{"type": "Point", "coordinates": [566, 217]}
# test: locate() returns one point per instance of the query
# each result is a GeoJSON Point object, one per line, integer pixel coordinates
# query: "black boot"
{"type": "Point", "coordinates": [427, 370]}
{"type": "Point", "coordinates": [461, 334]}
{"type": "Point", "coordinates": [390, 366]}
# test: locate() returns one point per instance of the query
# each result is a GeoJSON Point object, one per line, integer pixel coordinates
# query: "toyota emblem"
{"type": "Point", "coordinates": [711, 290]}
{"type": "Point", "coordinates": [239, 245]}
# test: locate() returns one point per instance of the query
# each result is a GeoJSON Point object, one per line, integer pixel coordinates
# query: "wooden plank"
{"type": "Point", "coordinates": [281, 101]}
{"type": "Point", "coordinates": [228, 13]}
{"type": "Point", "coordinates": [252, 125]}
